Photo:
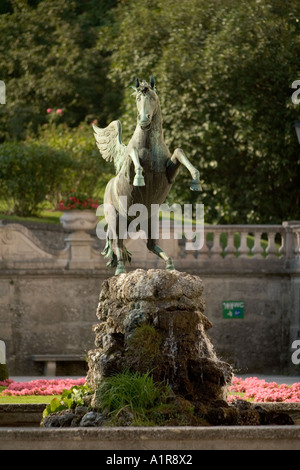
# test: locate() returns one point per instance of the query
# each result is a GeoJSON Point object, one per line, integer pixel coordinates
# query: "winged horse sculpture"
{"type": "Point", "coordinates": [145, 172]}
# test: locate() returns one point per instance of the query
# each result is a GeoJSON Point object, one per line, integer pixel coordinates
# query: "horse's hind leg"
{"type": "Point", "coordinates": [122, 254]}
{"type": "Point", "coordinates": [114, 251]}
{"type": "Point", "coordinates": [119, 253]}
{"type": "Point", "coordinates": [152, 246]}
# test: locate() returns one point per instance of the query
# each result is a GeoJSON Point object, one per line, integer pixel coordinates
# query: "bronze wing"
{"type": "Point", "coordinates": [109, 143]}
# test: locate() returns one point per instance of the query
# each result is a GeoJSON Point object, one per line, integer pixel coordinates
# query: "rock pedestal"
{"type": "Point", "coordinates": [154, 321]}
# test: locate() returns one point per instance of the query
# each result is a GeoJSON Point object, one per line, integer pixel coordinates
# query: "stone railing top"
{"type": "Point", "coordinates": [19, 248]}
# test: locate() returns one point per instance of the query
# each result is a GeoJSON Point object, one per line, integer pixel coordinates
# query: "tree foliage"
{"type": "Point", "coordinates": [29, 173]}
{"type": "Point", "coordinates": [223, 70]}
{"type": "Point", "coordinates": [224, 73]}
{"type": "Point", "coordinates": [89, 173]}
{"type": "Point", "coordinates": [48, 59]}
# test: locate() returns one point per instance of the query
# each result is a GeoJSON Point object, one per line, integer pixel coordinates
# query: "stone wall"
{"type": "Point", "coordinates": [47, 306]}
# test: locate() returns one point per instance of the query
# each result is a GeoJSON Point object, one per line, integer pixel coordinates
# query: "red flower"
{"type": "Point", "coordinates": [77, 201]}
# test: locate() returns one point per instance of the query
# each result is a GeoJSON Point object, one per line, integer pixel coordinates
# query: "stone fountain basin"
{"type": "Point", "coordinates": [30, 415]}
{"type": "Point", "coordinates": [19, 429]}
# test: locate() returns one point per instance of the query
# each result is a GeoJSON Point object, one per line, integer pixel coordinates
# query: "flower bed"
{"type": "Point", "coordinates": [77, 201]}
{"type": "Point", "coordinates": [39, 387]}
{"type": "Point", "coordinates": [251, 388]}
{"type": "Point", "coordinates": [259, 390]}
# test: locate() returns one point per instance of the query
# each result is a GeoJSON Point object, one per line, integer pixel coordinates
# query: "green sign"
{"type": "Point", "coordinates": [233, 309]}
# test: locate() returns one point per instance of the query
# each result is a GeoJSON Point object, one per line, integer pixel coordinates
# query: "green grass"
{"type": "Point", "coordinates": [135, 399]}
{"type": "Point", "coordinates": [10, 400]}
{"type": "Point", "coordinates": [46, 216]}
{"type": "Point", "coordinates": [133, 390]}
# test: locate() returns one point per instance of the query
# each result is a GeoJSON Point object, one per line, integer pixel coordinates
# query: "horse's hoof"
{"type": "Point", "coordinates": [170, 266]}
{"type": "Point", "coordinates": [195, 185]}
{"type": "Point", "coordinates": [138, 180]}
{"type": "Point", "coordinates": [120, 270]}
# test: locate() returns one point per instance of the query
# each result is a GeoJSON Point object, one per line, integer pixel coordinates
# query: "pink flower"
{"type": "Point", "coordinates": [261, 391]}
{"type": "Point", "coordinates": [49, 110]}
{"type": "Point", "coordinates": [59, 111]}
{"type": "Point", "coordinates": [41, 387]}
{"type": "Point", "coordinates": [6, 382]}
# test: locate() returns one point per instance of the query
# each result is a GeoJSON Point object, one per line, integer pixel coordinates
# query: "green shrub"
{"type": "Point", "coordinates": [89, 173]}
{"type": "Point", "coordinates": [29, 173]}
{"type": "Point", "coordinates": [69, 399]}
{"type": "Point", "coordinates": [3, 372]}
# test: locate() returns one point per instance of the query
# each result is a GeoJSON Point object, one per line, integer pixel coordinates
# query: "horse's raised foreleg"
{"type": "Point", "coordinates": [138, 179]}
{"type": "Point", "coordinates": [179, 157]}
{"type": "Point", "coordinates": [152, 246]}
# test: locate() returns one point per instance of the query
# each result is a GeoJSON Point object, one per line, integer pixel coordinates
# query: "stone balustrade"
{"type": "Point", "coordinates": [19, 247]}
{"type": "Point", "coordinates": [245, 241]}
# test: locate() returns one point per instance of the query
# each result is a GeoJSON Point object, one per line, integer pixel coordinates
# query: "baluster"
{"type": "Point", "coordinates": [217, 248]}
{"type": "Point", "coordinates": [291, 240]}
{"type": "Point", "coordinates": [193, 245]}
{"type": "Point", "coordinates": [204, 252]}
{"type": "Point", "coordinates": [189, 251]}
{"type": "Point", "coordinates": [282, 246]}
{"type": "Point", "coordinates": [297, 243]}
{"type": "Point", "coordinates": [209, 239]}
{"type": "Point", "coordinates": [243, 248]}
{"type": "Point", "coordinates": [2, 233]}
{"type": "Point", "coordinates": [271, 248]}
{"type": "Point", "coordinates": [257, 250]}
{"type": "Point", "coordinates": [181, 248]}
{"type": "Point", "coordinates": [230, 249]}
{"type": "Point", "coordinates": [190, 255]}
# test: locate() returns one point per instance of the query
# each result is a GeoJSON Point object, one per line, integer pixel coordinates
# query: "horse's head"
{"type": "Point", "coordinates": [146, 101]}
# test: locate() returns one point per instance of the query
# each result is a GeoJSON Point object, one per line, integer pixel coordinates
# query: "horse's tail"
{"type": "Point", "coordinates": [126, 255]}
{"type": "Point", "coordinates": [109, 253]}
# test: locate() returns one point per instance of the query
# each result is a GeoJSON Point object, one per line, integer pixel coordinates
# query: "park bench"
{"type": "Point", "coordinates": [50, 361]}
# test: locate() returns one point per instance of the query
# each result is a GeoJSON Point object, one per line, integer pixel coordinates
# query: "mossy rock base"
{"type": "Point", "coordinates": [176, 412]}
{"type": "Point", "coordinates": [154, 321]}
